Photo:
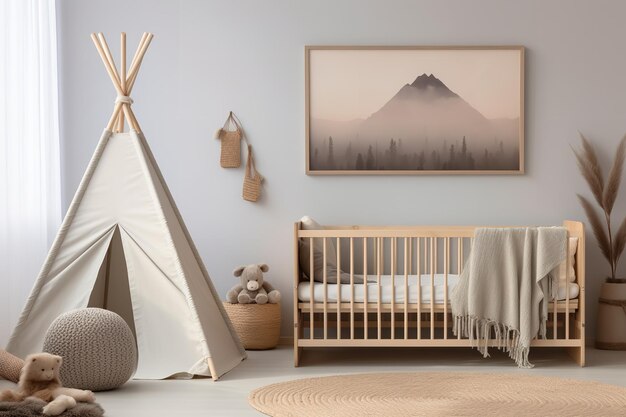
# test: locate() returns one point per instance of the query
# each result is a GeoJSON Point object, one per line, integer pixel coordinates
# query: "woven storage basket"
{"type": "Point", "coordinates": [230, 156]}
{"type": "Point", "coordinates": [258, 325]}
{"type": "Point", "coordinates": [252, 180]}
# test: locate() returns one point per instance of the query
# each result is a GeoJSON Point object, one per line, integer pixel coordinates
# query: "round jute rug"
{"type": "Point", "coordinates": [439, 394]}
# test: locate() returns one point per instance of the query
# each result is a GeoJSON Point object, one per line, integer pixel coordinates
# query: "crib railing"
{"type": "Point", "coordinates": [403, 258]}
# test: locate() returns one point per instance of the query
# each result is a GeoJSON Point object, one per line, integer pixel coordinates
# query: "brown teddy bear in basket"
{"type": "Point", "coordinates": [252, 288]}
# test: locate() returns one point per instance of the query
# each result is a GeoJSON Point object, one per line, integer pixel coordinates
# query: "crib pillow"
{"type": "Point", "coordinates": [318, 257]}
{"type": "Point", "coordinates": [565, 265]}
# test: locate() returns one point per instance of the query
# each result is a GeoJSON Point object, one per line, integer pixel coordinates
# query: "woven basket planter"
{"type": "Point", "coordinates": [258, 325]}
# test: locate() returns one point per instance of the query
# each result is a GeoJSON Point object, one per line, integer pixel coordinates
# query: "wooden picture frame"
{"type": "Point", "coordinates": [356, 93]}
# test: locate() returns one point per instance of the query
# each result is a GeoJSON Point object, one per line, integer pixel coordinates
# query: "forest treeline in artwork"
{"type": "Point", "coordinates": [425, 126]}
{"type": "Point", "coordinates": [451, 155]}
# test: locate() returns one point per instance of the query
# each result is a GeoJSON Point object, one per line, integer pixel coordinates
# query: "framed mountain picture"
{"type": "Point", "coordinates": [414, 110]}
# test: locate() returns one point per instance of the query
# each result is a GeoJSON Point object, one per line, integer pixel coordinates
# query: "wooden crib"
{"type": "Point", "coordinates": [405, 302]}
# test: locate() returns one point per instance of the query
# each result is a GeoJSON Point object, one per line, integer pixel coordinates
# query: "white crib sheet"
{"type": "Point", "coordinates": [304, 291]}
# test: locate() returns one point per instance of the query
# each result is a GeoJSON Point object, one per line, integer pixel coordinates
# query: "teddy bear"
{"type": "Point", "coordinates": [252, 288]}
{"type": "Point", "coordinates": [39, 379]}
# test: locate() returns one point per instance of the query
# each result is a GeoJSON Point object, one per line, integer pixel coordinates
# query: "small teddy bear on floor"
{"type": "Point", "coordinates": [39, 379]}
{"type": "Point", "coordinates": [252, 288]}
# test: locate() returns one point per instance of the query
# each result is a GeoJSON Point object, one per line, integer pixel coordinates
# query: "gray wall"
{"type": "Point", "coordinates": [209, 57]}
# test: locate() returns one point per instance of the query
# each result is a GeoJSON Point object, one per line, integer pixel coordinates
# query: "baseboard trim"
{"type": "Point", "coordinates": [285, 341]}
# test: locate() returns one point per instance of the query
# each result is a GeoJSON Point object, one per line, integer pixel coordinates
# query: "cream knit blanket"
{"type": "Point", "coordinates": [505, 287]}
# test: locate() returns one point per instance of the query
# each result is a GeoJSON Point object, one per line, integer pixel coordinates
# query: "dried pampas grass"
{"type": "Point", "coordinates": [620, 241]}
{"type": "Point", "coordinates": [615, 177]}
{"type": "Point", "coordinates": [612, 246]}
{"type": "Point", "coordinates": [597, 227]}
{"type": "Point", "coordinates": [590, 168]}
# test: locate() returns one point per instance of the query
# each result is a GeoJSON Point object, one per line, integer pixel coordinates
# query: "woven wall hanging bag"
{"type": "Point", "coordinates": [252, 180]}
{"type": "Point", "coordinates": [230, 135]}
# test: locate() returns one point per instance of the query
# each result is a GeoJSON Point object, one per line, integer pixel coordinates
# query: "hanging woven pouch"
{"type": "Point", "coordinates": [230, 155]}
{"type": "Point", "coordinates": [252, 180]}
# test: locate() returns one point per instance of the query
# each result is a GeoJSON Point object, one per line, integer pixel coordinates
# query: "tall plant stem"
{"type": "Point", "coordinates": [611, 255]}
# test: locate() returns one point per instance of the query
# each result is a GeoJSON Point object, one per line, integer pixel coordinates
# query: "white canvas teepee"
{"type": "Point", "coordinates": [123, 246]}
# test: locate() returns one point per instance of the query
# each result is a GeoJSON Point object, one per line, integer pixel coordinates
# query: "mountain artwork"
{"type": "Point", "coordinates": [424, 125]}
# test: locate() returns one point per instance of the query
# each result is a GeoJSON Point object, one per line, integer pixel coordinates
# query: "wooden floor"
{"type": "Point", "coordinates": [227, 397]}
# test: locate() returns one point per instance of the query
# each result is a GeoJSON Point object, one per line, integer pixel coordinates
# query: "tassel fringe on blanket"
{"type": "Point", "coordinates": [480, 332]}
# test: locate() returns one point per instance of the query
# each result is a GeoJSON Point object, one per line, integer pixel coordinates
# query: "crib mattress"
{"type": "Point", "coordinates": [304, 289]}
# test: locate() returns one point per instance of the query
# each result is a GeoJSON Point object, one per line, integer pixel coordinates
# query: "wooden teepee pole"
{"type": "Point", "coordinates": [109, 56]}
{"type": "Point", "coordinates": [120, 124]}
{"type": "Point", "coordinates": [130, 81]}
{"type": "Point", "coordinates": [107, 65]}
{"type": "Point", "coordinates": [134, 69]}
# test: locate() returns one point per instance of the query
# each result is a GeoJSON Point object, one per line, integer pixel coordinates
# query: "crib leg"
{"type": "Point", "coordinates": [297, 353]}
{"type": "Point", "coordinates": [577, 354]}
{"type": "Point", "coordinates": [297, 334]}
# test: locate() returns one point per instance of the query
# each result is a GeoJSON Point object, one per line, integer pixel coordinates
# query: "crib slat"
{"type": "Point", "coordinates": [365, 296]}
{"type": "Point", "coordinates": [446, 267]}
{"type": "Point", "coordinates": [459, 249]}
{"type": "Point", "coordinates": [406, 289]}
{"type": "Point", "coordinates": [325, 285]}
{"type": "Point", "coordinates": [459, 266]}
{"type": "Point", "coordinates": [338, 287]}
{"type": "Point", "coordinates": [555, 317]}
{"type": "Point", "coordinates": [418, 244]}
{"type": "Point", "coordinates": [393, 255]}
{"type": "Point", "coordinates": [311, 287]}
{"type": "Point", "coordinates": [410, 255]}
{"type": "Point", "coordinates": [567, 261]}
{"type": "Point", "coordinates": [352, 288]}
{"type": "Point", "coordinates": [378, 262]}
{"type": "Point", "coordinates": [433, 260]}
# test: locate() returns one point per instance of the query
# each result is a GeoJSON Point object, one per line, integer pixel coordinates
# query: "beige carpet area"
{"type": "Point", "coordinates": [439, 394]}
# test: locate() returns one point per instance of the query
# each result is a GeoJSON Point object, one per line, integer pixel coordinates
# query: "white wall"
{"type": "Point", "coordinates": [209, 57]}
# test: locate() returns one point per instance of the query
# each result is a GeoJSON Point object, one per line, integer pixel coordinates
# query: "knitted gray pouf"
{"type": "Point", "coordinates": [98, 349]}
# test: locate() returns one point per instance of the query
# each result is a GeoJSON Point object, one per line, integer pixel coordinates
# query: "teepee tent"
{"type": "Point", "coordinates": [123, 246]}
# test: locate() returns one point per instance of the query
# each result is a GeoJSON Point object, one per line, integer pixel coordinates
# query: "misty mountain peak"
{"type": "Point", "coordinates": [426, 82]}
